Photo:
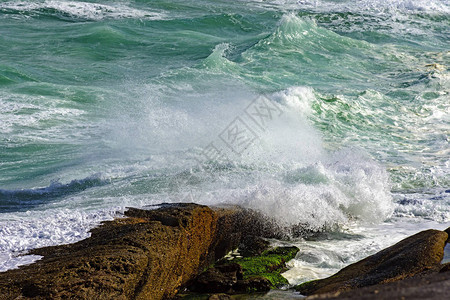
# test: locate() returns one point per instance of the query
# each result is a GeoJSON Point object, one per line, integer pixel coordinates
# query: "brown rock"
{"type": "Point", "coordinates": [435, 286]}
{"type": "Point", "coordinates": [253, 245]}
{"type": "Point", "coordinates": [148, 255]}
{"type": "Point", "coordinates": [219, 279]}
{"type": "Point", "coordinates": [237, 224]}
{"type": "Point", "coordinates": [252, 284]}
{"type": "Point", "coordinates": [228, 279]}
{"type": "Point", "coordinates": [417, 254]}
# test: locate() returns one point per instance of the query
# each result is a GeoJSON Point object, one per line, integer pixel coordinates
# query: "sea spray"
{"type": "Point", "coordinates": [289, 176]}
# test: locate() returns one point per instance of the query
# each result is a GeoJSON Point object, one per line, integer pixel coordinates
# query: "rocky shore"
{"type": "Point", "coordinates": [177, 251]}
{"type": "Point", "coordinates": [410, 269]}
{"type": "Point", "coordinates": [149, 254]}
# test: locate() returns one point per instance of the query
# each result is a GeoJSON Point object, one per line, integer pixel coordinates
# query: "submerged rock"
{"type": "Point", "coordinates": [417, 254]}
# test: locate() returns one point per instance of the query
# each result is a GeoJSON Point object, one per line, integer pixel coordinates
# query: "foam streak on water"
{"type": "Point", "coordinates": [78, 10]}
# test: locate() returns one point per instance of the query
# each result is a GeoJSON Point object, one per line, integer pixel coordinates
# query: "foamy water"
{"type": "Point", "coordinates": [79, 10]}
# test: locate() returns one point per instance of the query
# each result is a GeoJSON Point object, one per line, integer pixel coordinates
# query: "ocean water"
{"type": "Point", "coordinates": [333, 116]}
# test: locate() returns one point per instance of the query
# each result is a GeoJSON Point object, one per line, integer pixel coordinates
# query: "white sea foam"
{"type": "Point", "coordinates": [413, 6]}
{"type": "Point", "coordinates": [431, 206]}
{"type": "Point", "coordinates": [83, 10]}
{"type": "Point", "coordinates": [43, 117]}
{"type": "Point", "coordinates": [313, 186]}
{"type": "Point", "coordinates": [361, 6]}
{"type": "Point", "coordinates": [10, 260]}
{"type": "Point", "coordinates": [324, 257]}
{"type": "Point", "coordinates": [321, 195]}
{"type": "Point", "coordinates": [21, 231]}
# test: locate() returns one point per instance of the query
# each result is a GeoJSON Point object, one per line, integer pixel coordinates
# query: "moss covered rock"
{"type": "Point", "coordinates": [270, 264]}
{"type": "Point", "coordinates": [246, 274]}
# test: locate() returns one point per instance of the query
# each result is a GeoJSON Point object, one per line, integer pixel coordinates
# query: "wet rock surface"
{"type": "Point", "coordinates": [416, 256]}
{"type": "Point", "coordinates": [148, 255]}
{"type": "Point", "coordinates": [228, 279]}
{"type": "Point", "coordinates": [434, 286]}
{"type": "Point", "coordinates": [219, 279]}
{"type": "Point", "coordinates": [253, 245]}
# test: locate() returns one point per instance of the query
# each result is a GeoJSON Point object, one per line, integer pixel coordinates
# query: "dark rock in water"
{"type": "Point", "coordinates": [233, 269]}
{"type": "Point", "coordinates": [220, 279]}
{"type": "Point", "coordinates": [234, 224]}
{"type": "Point", "coordinates": [448, 232]}
{"type": "Point", "coordinates": [253, 245]}
{"type": "Point", "coordinates": [148, 255]}
{"type": "Point", "coordinates": [414, 255]}
{"type": "Point", "coordinates": [252, 285]}
{"type": "Point", "coordinates": [237, 224]}
{"type": "Point", "coordinates": [228, 279]}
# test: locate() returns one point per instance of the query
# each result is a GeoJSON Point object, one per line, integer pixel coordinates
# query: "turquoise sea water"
{"type": "Point", "coordinates": [109, 104]}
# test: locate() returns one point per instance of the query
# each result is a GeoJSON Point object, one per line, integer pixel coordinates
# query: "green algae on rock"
{"type": "Point", "coordinates": [258, 273]}
{"type": "Point", "coordinates": [270, 264]}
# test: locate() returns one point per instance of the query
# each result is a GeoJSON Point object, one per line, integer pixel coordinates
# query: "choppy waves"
{"type": "Point", "coordinates": [26, 199]}
{"type": "Point", "coordinates": [361, 6]}
{"type": "Point", "coordinates": [77, 10]}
